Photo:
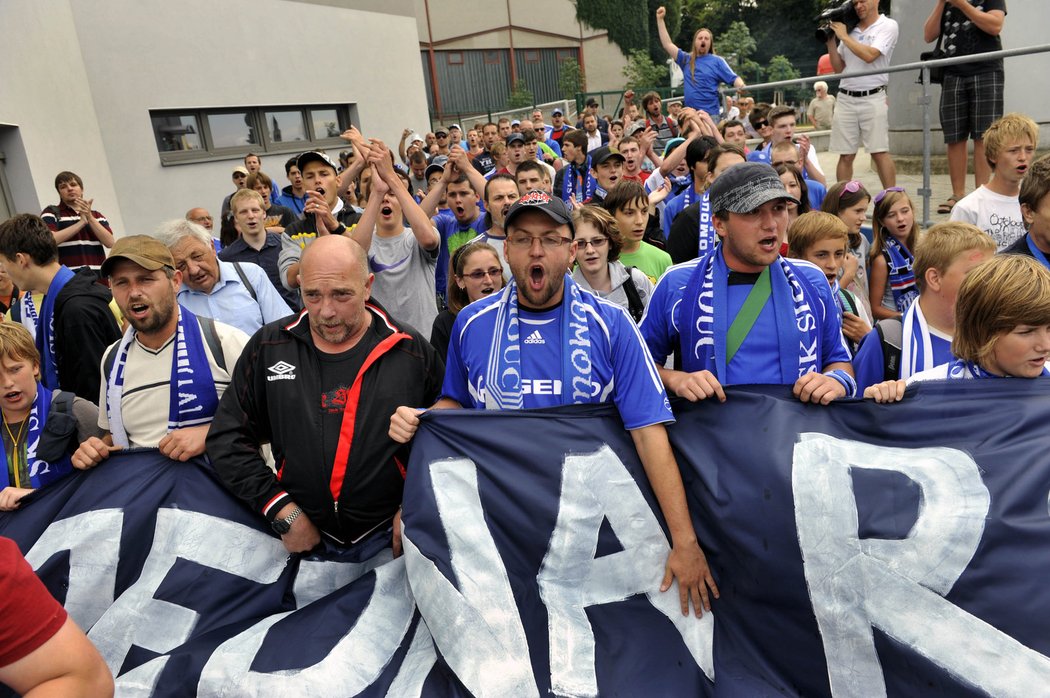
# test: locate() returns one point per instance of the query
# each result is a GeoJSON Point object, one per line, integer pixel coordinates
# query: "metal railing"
{"type": "Point", "coordinates": [924, 68]}
{"type": "Point", "coordinates": [468, 119]}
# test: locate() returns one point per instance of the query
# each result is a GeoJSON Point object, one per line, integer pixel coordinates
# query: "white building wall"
{"type": "Point", "coordinates": [1026, 76]}
{"type": "Point", "coordinates": [126, 58]}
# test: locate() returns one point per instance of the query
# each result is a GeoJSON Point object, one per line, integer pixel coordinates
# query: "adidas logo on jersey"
{"type": "Point", "coordinates": [535, 338]}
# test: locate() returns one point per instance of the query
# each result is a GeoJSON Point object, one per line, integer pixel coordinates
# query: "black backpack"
{"type": "Point", "coordinates": [634, 299]}
{"type": "Point", "coordinates": [891, 336]}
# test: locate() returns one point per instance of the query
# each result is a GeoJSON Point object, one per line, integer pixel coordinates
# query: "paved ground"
{"type": "Point", "coordinates": [863, 170]}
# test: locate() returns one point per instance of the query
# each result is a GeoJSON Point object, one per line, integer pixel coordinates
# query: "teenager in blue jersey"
{"type": "Point", "coordinates": [463, 220]}
{"type": "Point", "coordinates": [526, 329]}
{"type": "Point", "coordinates": [898, 348]}
{"type": "Point", "coordinates": [1002, 327]}
{"type": "Point", "coordinates": [743, 314]}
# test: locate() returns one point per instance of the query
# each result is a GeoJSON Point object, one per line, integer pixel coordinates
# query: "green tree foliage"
{"type": "Point", "coordinates": [570, 79]}
{"type": "Point", "coordinates": [521, 96]}
{"type": "Point", "coordinates": [737, 46]}
{"type": "Point", "coordinates": [631, 23]}
{"type": "Point", "coordinates": [780, 68]}
{"type": "Point", "coordinates": [641, 73]}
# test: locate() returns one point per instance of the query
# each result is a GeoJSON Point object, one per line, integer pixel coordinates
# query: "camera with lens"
{"type": "Point", "coordinates": [843, 12]}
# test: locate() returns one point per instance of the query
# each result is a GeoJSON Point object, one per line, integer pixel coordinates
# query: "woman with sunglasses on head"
{"type": "Point", "coordinates": [849, 201]}
{"type": "Point", "coordinates": [1002, 327]}
{"type": "Point", "coordinates": [474, 272]}
{"type": "Point", "coordinates": [892, 288]}
{"type": "Point", "coordinates": [598, 268]}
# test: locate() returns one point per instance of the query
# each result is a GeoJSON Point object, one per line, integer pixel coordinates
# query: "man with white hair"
{"type": "Point", "coordinates": [822, 107]}
{"type": "Point", "coordinates": [236, 293]}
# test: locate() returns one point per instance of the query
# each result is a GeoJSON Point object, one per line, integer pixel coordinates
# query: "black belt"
{"type": "Point", "coordinates": [862, 93]}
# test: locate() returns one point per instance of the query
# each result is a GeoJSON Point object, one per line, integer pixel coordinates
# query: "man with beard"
{"type": "Point", "coordinates": [161, 383]}
{"type": "Point", "coordinates": [527, 330]}
{"type": "Point", "coordinates": [321, 390]}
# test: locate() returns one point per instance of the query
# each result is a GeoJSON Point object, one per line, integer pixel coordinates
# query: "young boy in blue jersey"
{"type": "Point", "coordinates": [742, 314]}
{"type": "Point", "coordinates": [898, 348]}
{"type": "Point", "coordinates": [525, 330]}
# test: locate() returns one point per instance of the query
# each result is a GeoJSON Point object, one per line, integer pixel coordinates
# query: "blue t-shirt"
{"type": "Point", "coordinates": [675, 205]}
{"type": "Point", "coordinates": [621, 369]}
{"type": "Point", "coordinates": [760, 154]}
{"type": "Point", "coordinates": [701, 85]}
{"type": "Point", "coordinates": [452, 231]}
{"type": "Point", "coordinates": [757, 360]}
{"type": "Point", "coordinates": [870, 362]}
{"type": "Point", "coordinates": [817, 192]}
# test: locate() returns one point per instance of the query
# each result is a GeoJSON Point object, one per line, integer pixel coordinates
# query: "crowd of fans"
{"type": "Point", "coordinates": [681, 252]}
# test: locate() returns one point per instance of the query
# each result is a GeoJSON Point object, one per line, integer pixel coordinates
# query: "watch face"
{"type": "Point", "coordinates": [280, 526]}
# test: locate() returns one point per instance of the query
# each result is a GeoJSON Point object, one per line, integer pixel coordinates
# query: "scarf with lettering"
{"type": "Point", "coordinates": [503, 379]}
{"type": "Point", "coordinates": [961, 370]}
{"type": "Point", "coordinates": [705, 319]}
{"type": "Point", "coordinates": [192, 398]}
{"type": "Point", "coordinates": [40, 472]}
{"type": "Point", "coordinates": [573, 180]}
{"type": "Point", "coordinates": [902, 278]}
{"type": "Point", "coordinates": [27, 315]}
{"type": "Point", "coordinates": [45, 328]}
{"type": "Point", "coordinates": [707, 238]}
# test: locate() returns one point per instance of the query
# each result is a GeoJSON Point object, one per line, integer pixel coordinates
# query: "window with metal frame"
{"type": "Point", "coordinates": [200, 135]}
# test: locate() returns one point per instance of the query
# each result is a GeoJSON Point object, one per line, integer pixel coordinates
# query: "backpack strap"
{"type": "Point", "coordinates": [212, 338]}
{"type": "Point", "coordinates": [634, 299]}
{"type": "Point", "coordinates": [847, 301]}
{"type": "Point", "coordinates": [62, 402]}
{"type": "Point", "coordinates": [244, 280]}
{"type": "Point", "coordinates": [891, 337]}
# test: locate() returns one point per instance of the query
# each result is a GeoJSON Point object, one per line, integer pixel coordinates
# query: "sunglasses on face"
{"type": "Point", "coordinates": [480, 274]}
{"type": "Point", "coordinates": [882, 194]}
{"type": "Point", "coordinates": [761, 124]}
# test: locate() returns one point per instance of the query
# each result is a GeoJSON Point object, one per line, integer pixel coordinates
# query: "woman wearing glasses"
{"type": "Point", "coordinates": [475, 273]}
{"type": "Point", "coordinates": [597, 267]}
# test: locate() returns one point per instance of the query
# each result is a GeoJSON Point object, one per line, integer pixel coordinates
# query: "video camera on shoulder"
{"type": "Point", "coordinates": [843, 12]}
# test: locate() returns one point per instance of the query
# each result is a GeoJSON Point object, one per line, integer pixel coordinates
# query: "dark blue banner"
{"type": "Point", "coordinates": [860, 549]}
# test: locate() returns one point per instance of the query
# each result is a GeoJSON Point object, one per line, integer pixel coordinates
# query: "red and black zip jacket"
{"type": "Point", "coordinates": [275, 396]}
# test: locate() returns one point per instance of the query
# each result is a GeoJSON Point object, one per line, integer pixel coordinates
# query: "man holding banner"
{"type": "Point", "coordinates": [742, 314]}
{"type": "Point", "coordinates": [320, 390]}
{"type": "Point", "coordinates": [544, 342]}
{"type": "Point", "coordinates": [161, 383]}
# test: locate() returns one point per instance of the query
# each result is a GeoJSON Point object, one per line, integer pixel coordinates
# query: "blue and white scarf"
{"type": "Point", "coordinates": [192, 399]}
{"type": "Point", "coordinates": [916, 343]}
{"type": "Point", "coordinates": [27, 315]}
{"type": "Point", "coordinates": [705, 320]}
{"type": "Point", "coordinates": [45, 328]}
{"type": "Point", "coordinates": [40, 472]}
{"type": "Point", "coordinates": [1036, 252]}
{"type": "Point", "coordinates": [961, 370]}
{"type": "Point", "coordinates": [573, 180]}
{"type": "Point", "coordinates": [503, 379]}
{"type": "Point", "coordinates": [901, 276]}
{"type": "Point", "coordinates": [707, 238]}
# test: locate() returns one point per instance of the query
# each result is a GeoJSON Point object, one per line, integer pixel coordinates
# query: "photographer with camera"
{"type": "Point", "coordinates": [971, 94]}
{"type": "Point", "coordinates": [861, 111]}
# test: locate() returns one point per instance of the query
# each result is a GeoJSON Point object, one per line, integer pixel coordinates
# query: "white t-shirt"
{"type": "Point", "coordinates": [404, 278]}
{"type": "Point", "coordinates": [147, 381]}
{"type": "Point", "coordinates": [995, 214]}
{"type": "Point", "coordinates": [882, 34]}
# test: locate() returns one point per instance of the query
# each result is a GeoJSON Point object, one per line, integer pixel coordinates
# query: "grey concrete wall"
{"type": "Point", "coordinates": [1026, 76]}
{"type": "Point", "coordinates": [79, 78]}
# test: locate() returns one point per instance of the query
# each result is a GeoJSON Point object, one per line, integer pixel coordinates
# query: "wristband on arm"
{"type": "Point", "coordinates": [845, 380]}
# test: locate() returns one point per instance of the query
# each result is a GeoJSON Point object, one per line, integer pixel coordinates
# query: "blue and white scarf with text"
{"type": "Point", "coordinates": [503, 375]}
{"type": "Point", "coordinates": [705, 320]}
{"type": "Point", "coordinates": [901, 277]}
{"type": "Point", "coordinates": [40, 472]}
{"type": "Point", "coordinates": [192, 399]}
{"type": "Point", "coordinates": [707, 238]}
{"type": "Point", "coordinates": [961, 370]}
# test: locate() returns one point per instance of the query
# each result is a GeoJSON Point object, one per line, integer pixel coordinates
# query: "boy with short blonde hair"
{"type": "Point", "coordinates": [822, 239]}
{"type": "Point", "coordinates": [922, 340]}
{"type": "Point", "coordinates": [1009, 147]}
